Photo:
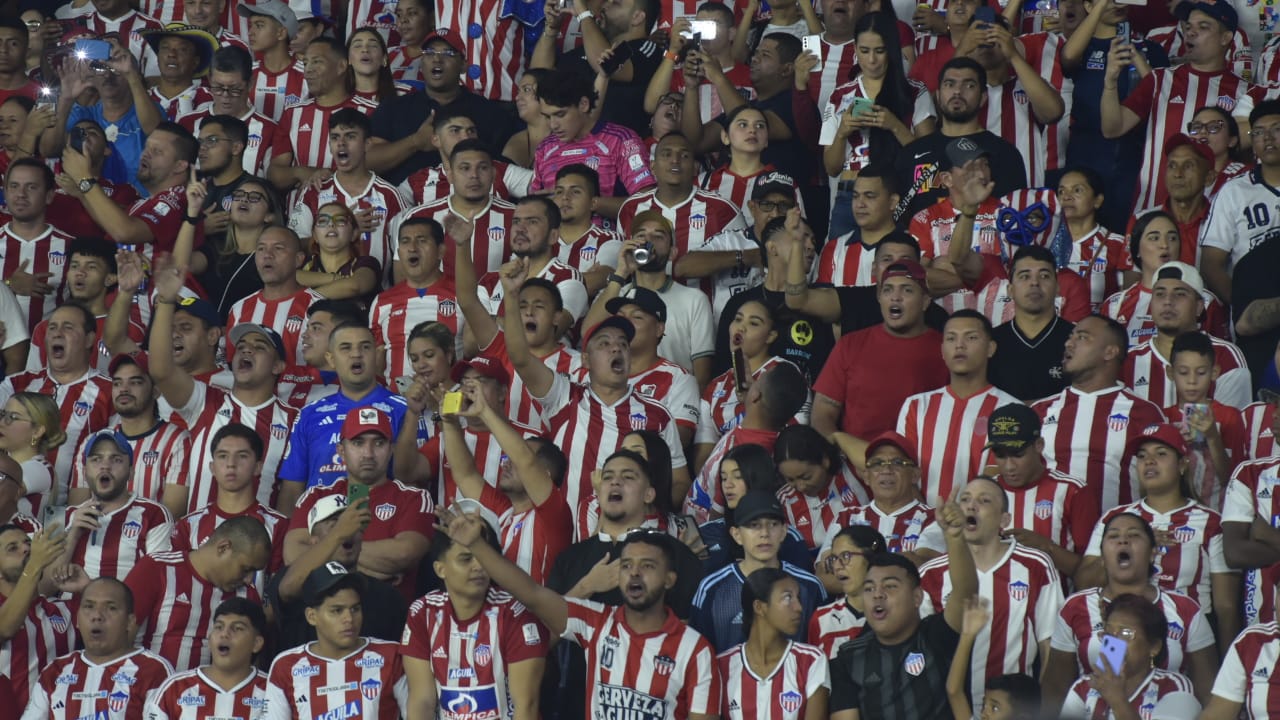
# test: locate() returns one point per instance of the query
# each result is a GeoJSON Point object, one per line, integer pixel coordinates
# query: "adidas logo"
{"type": "Point", "coordinates": [737, 619]}
{"type": "Point", "coordinates": [872, 679]}
{"type": "Point", "coordinates": [733, 704]}
{"type": "Point", "coordinates": [182, 598]}
{"type": "Point", "coordinates": [802, 521]}
{"type": "Point", "coordinates": [306, 127]}
{"type": "Point", "coordinates": [439, 653]}
{"type": "Point", "coordinates": [1177, 99]}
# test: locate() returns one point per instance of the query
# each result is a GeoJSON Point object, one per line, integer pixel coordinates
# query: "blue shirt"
{"type": "Point", "coordinates": [717, 605]}
{"type": "Point", "coordinates": [721, 547]}
{"type": "Point", "coordinates": [313, 455]}
{"type": "Point", "coordinates": [121, 165]}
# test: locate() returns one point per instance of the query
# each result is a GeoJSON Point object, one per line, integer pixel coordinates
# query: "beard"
{"type": "Point", "coordinates": [650, 600]}
{"type": "Point", "coordinates": [961, 117]}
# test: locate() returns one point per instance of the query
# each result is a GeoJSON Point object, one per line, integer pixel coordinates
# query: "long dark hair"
{"type": "Point", "coordinates": [896, 94]}
{"type": "Point", "coordinates": [386, 83]}
{"type": "Point", "coordinates": [759, 586]}
{"type": "Point", "coordinates": [659, 467]}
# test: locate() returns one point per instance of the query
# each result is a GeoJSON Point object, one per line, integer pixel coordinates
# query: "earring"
{"type": "Point", "coordinates": [34, 442]}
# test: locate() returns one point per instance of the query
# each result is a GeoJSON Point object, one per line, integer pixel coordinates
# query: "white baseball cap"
{"type": "Point", "coordinates": [325, 508]}
{"type": "Point", "coordinates": [469, 505]}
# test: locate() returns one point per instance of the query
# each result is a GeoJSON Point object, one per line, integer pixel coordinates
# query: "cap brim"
{"type": "Point", "coordinates": [1007, 445]}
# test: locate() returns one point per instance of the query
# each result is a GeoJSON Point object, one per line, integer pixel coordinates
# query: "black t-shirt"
{"type": "Point", "coordinates": [1030, 368]}
{"type": "Point", "coordinates": [385, 613]}
{"type": "Point", "coordinates": [802, 339]}
{"type": "Point", "coordinates": [624, 102]}
{"type": "Point", "coordinates": [860, 309]}
{"type": "Point", "coordinates": [401, 117]}
{"type": "Point", "coordinates": [928, 155]}
{"type": "Point", "coordinates": [1254, 278]}
{"type": "Point", "coordinates": [887, 682]}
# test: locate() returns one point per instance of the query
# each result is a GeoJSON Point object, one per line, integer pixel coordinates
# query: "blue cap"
{"type": "Point", "coordinates": [115, 436]}
{"type": "Point", "coordinates": [201, 308]}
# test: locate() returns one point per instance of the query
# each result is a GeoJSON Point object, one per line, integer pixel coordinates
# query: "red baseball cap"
{"type": "Point", "coordinates": [486, 366]}
{"type": "Point", "coordinates": [907, 269]}
{"type": "Point", "coordinates": [1163, 433]}
{"type": "Point", "coordinates": [894, 439]}
{"type": "Point", "coordinates": [365, 420]}
{"type": "Point", "coordinates": [1201, 148]}
{"type": "Point", "coordinates": [138, 358]}
{"type": "Point", "coordinates": [449, 36]}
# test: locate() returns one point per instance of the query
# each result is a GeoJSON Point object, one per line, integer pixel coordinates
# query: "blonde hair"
{"type": "Point", "coordinates": [44, 414]}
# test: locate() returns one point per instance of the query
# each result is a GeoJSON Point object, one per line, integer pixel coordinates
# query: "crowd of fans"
{"type": "Point", "coordinates": [865, 360]}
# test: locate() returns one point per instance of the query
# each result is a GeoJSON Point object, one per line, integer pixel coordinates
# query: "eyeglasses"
{"type": "Point", "coordinates": [1210, 128]}
{"type": "Point", "coordinates": [253, 197]}
{"type": "Point", "coordinates": [1273, 132]}
{"type": "Point", "coordinates": [324, 221]}
{"type": "Point", "coordinates": [8, 418]}
{"type": "Point", "coordinates": [212, 140]}
{"type": "Point", "coordinates": [895, 464]}
{"type": "Point", "coordinates": [1126, 634]}
{"type": "Point", "coordinates": [769, 207]}
{"type": "Point", "coordinates": [449, 53]}
{"type": "Point", "coordinates": [227, 90]}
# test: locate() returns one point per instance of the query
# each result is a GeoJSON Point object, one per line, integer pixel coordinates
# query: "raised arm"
{"type": "Point", "coordinates": [976, 614]}
{"type": "Point", "coordinates": [481, 324]}
{"type": "Point", "coordinates": [1116, 119]}
{"type": "Point", "coordinates": [537, 377]}
{"type": "Point", "coordinates": [964, 576]}
{"type": "Point", "coordinates": [47, 546]}
{"type": "Point", "coordinates": [538, 485]}
{"type": "Point", "coordinates": [174, 384]}
{"type": "Point", "coordinates": [129, 278]}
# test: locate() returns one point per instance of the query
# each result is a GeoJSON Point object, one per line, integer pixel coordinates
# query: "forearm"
{"type": "Point", "coordinates": [53, 139]}
{"type": "Point", "coordinates": [1110, 111]}
{"type": "Point", "coordinates": [13, 612]}
{"type": "Point", "coordinates": [957, 679]}
{"type": "Point", "coordinates": [1226, 603]}
{"type": "Point", "coordinates": [548, 605]}
{"type": "Point", "coordinates": [1066, 561]}
{"type": "Point", "coordinates": [314, 556]}
{"type": "Point", "coordinates": [593, 40]}
{"type": "Point", "coordinates": [743, 35]}
{"type": "Point", "coordinates": [704, 264]}
{"type": "Point", "coordinates": [411, 466]}
{"type": "Point", "coordinates": [287, 499]}
{"type": "Point", "coordinates": [462, 464]}
{"type": "Point", "coordinates": [1259, 316]}
{"type": "Point", "coordinates": [393, 555]}
{"type": "Point", "coordinates": [113, 219]}
{"type": "Point", "coordinates": [659, 85]}
{"type": "Point", "coordinates": [1046, 103]}
{"type": "Point", "coordinates": [544, 52]}
{"type": "Point", "coordinates": [1090, 573]}
{"type": "Point", "coordinates": [385, 155]}
{"type": "Point", "coordinates": [691, 114]}
{"type": "Point", "coordinates": [148, 112]}
{"type": "Point", "coordinates": [833, 155]}
{"type": "Point", "coordinates": [963, 574]}
{"type": "Point", "coordinates": [115, 331]}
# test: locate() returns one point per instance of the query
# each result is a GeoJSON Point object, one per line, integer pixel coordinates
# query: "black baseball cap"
{"type": "Point", "coordinates": [757, 504]}
{"type": "Point", "coordinates": [643, 298]}
{"type": "Point", "coordinates": [1012, 427]}
{"type": "Point", "coordinates": [328, 579]}
{"type": "Point", "coordinates": [774, 182]}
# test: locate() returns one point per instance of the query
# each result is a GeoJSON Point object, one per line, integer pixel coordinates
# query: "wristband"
{"type": "Point", "coordinates": [614, 277]}
{"type": "Point", "coordinates": [669, 55]}
{"type": "Point", "coordinates": [585, 15]}
{"type": "Point", "coordinates": [193, 219]}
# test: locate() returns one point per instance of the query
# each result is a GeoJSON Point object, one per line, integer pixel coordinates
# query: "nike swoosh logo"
{"type": "Point", "coordinates": [920, 155]}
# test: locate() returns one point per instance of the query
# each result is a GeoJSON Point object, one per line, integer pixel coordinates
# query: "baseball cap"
{"type": "Point", "coordinates": [366, 419]}
{"type": "Point", "coordinates": [1223, 12]}
{"type": "Point", "coordinates": [199, 308]}
{"type": "Point", "coordinates": [325, 508]}
{"type": "Point", "coordinates": [962, 151]}
{"type": "Point", "coordinates": [757, 504]}
{"type": "Point", "coordinates": [643, 298]}
{"type": "Point", "coordinates": [486, 366]}
{"type": "Point", "coordinates": [139, 358]}
{"type": "Point", "coordinates": [312, 10]}
{"type": "Point", "coordinates": [204, 43]}
{"type": "Point", "coordinates": [239, 331]}
{"type": "Point", "coordinates": [1175, 270]}
{"type": "Point", "coordinates": [1163, 433]}
{"type": "Point", "coordinates": [894, 439]}
{"type": "Point", "coordinates": [774, 182]}
{"type": "Point", "coordinates": [1182, 139]}
{"type": "Point", "coordinates": [645, 216]}
{"type": "Point", "coordinates": [449, 36]}
{"type": "Point", "coordinates": [328, 579]}
{"type": "Point", "coordinates": [613, 321]}
{"type": "Point", "coordinates": [1012, 427]}
{"type": "Point", "coordinates": [907, 269]}
{"type": "Point", "coordinates": [115, 436]}
{"type": "Point", "coordinates": [276, 10]}
{"type": "Point", "coordinates": [471, 505]}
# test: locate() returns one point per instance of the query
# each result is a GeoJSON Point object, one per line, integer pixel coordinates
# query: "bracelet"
{"type": "Point", "coordinates": [193, 219]}
{"type": "Point", "coordinates": [614, 277]}
{"type": "Point", "coordinates": [585, 15]}
{"type": "Point", "coordinates": [669, 55]}
{"type": "Point", "coordinates": [795, 288]}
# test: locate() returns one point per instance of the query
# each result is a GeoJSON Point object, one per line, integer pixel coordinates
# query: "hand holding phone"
{"type": "Point", "coordinates": [1113, 651]}
{"type": "Point", "coordinates": [813, 44]}
{"type": "Point", "coordinates": [617, 59]}
{"type": "Point", "coordinates": [452, 403]}
{"type": "Point", "coordinates": [356, 492]}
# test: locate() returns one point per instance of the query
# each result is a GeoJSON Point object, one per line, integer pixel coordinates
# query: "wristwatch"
{"type": "Point", "coordinates": [87, 184]}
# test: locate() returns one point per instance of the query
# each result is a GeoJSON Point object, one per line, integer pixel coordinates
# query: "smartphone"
{"type": "Point", "coordinates": [566, 4]}
{"type": "Point", "coordinates": [1189, 409]}
{"type": "Point", "coordinates": [77, 139]}
{"type": "Point", "coordinates": [813, 44]}
{"type": "Point", "coordinates": [706, 28]}
{"type": "Point", "coordinates": [693, 44]}
{"type": "Point", "coordinates": [861, 106]}
{"type": "Point", "coordinates": [452, 403]}
{"type": "Point", "coordinates": [356, 491]}
{"type": "Point", "coordinates": [620, 56]}
{"type": "Point", "coordinates": [1113, 649]}
{"type": "Point", "coordinates": [740, 370]}
{"type": "Point", "coordinates": [1123, 32]}
{"type": "Point", "coordinates": [93, 50]}
{"type": "Point", "coordinates": [1043, 8]}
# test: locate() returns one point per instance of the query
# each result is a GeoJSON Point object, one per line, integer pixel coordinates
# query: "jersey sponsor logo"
{"type": "Point", "coordinates": [118, 701]}
{"type": "Point", "coordinates": [191, 701]}
{"type": "Point", "coordinates": [132, 529]}
{"type": "Point", "coordinates": [339, 688]}
{"type": "Point", "coordinates": [461, 673]}
{"type": "Point", "coordinates": [790, 701]}
{"type": "Point", "coordinates": [623, 703]}
{"type": "Point", "coordinates": [92, 695]}
{"type": "Point", "coordinates": [122, 678]}
{"type": "Point", "coordinates": [370, 688]}
{"type": "Point", "coordinates": [914, 664]}
{"type": "Point", "coordinates": [385, 511]}
{"type": "Point", "coordinates": [483, 655]}
{"type": "Point", "coordinates": [1118, 422]}
{"type": "Point", "coordinates": [576, 152]}
{"type": "Point", "coordinates": [67, 679]}
{"type": "Point", "coordinates": [532, 636]}
{"type": "Point", "coordinates": [374, 661]}
{"type": "Point", "coordinates": [648, 390]}
{"type": "Point", "coordinates": [307, 671]}
{"type": "Point", "coordinates": [664, 664]}
{"type": "Point", "coordinates": [255, 703]}
{"type": "Point", "coordinates": [469, 703]}
{"type": "Point", "coordinates": [346, 712]}
{"type": "Point", "coordinates": [1044, 509]}
{"type": "Point", "coordinates": [82, 408]}
{"type": "Point", "coordinates": [1019, 590]}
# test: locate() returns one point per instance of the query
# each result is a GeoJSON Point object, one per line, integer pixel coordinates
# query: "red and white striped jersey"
{"type": "Point", "coordinates": [735, 188]}
{"type": "Point", "coordinates": [534, 538]}
{"type": "Point", "coordinates": [404, 68]}
{"type": "Point", "coordinates": [1131, 307]}
{"type": "Point", "coordinates": [174, 606]}
{"type": "Point", "coordinates": [1078, 628]}
{"type": "Point", "coordinates": [192, 530]}
{"type": "Point", "coordinates": [430, 184]}
{"type": "Point", "coordinates": [1101, 258]}
{"type": "Point", "coordinates": [75, 687]}
{"type": "Point", "coordinates": [46, 253]}
{"type": "Point", "coordinates": [487, 457]}
{"type": "Point", "coordinates": [47, 632]}
{"type": "Point", "coordinates": [1055, 506]}
{"type": "Point", "coordinates": [784, 694]}
{"type": "Point", "coordinates": [140, 527]}
{"type": "Point", "coordinates": [597, 246]}
{"type": "Point", "coordinates": [709, 105]}
{"type": "Point", "coordinates": [130, 27]}
{"type": "Point", "coordinates": [208, 410]}
{"type": "Point", "coordinates": [1179, 92]}
{"type": "Point", "coordinates": [846, 261]}
{"type": "Point", "coordinates": [857, 152]}
{"type": "Point", "coordinates": [193, 696]}
{"type": "Point", "coordinates": [1148, 375]}
{"type": "Point", "coordinates": [573, 293]}
{"type": "Point", "coordinates": [84, 407]}
{"type": "Point", "coordinates": [900, 528]}
{"type": "Point", "coordinates": [1008, 114]}
{"type": "Point", "coordinates": [937, 423]}
{"type": "Point", "coordinates": [1195, 552]}
{"type": "Point", "coordinates": [814, 517]}
{"type": "Point", "coordinates": [1259, 424]}
{"type": "Point", "coordinates": [522, 407]}
{"type": "Point", "coordinates": [835, 624]}
{"type": "Point", "coordinates": [1239, 56]}
{"type": "Point", "coordinates": [995, 301]}
{"type": "Point", "coordinates": [933, 228]}
{"type": "Point", "coordinates": [1026, 596]}
{"type": "Point", "coordinates": [265, 139]}
{"type": "Point", "coordinates": [588, 431]}
{"type": "Point", "coordinates": [271, 92]}
{"type": "Point", "coordinates": [1251, 493]}
{"type": "Point", "coordinates": [668, 673]}
{"type": "Point", "coordinates": [489, 245]}
{"type": "Point", "coordinates": [183, 103]}
{"type": "Point", "coordinates": [399, 309]}
{"type": "Point", "coordinates": [377, 195]}
{"type": "Point", "coordinates": [669, 385]}
{"type": "Point", "coordinates": [1246, 673]}
{"type": "Point", "coordinates": [368, 683]}
{"type": "Point", "coordinates": [1085, 702]}
{"type": "Point", "coordinates": [37, 477]}
{"type": "Point", "coordinates": [839, 66]}
{"type": "Point", "coordinates": [287, 316]}
{"type": "Point", "coordinates": [376, 14]}
{"type": "Point", "coordinates": [159, 459]}
{"type": "Point", "coordinates": [720, 410]}
{"type": "Point", "coordinates": [494, 44]}
{"type": "Point", "coordinates": [1085, 435]}
{"type": "Point", "coordinates": [705, 499]}
{"type": "Point", "coordinates": [38, 359]}
{"type": "Point", "coordinates": [1043, 51]}
{"type": "Point", "coordinates": [171, 11]}
{"type": "Point", "coordinates": [1203, 477]}
{"type": "Point", "coordinates": [470, 659]}
{"type": "Point", "coordinates": [306, 129]}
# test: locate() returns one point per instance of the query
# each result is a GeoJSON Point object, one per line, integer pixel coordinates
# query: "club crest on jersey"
{"type": "Point", "coordinates": [914, 664]}
{"type": "Point", "coordinates": [909, 542]}
{"type": "Point", "coordinates": [1117, 422]}
{"type": "Point", "coordinates": [698, 221]}
{"type": "Point", "coordinates": [132, 529]}
{"type": "Point", "coordinates": [58, 622]}
{"type": "Point", "coordinates": [1020, 97]}
{"type": "Point", "coordinates": [82, 408]}
{"type": "Point", "coordinates": [384, 511]}
{"type": "Point", "coordinates": [150, 457]}
{"type": "Point", "coordinates": [587, 254]}
{"type": "Point", "coordinates": [497, 233]}
{"type": "Point", "coordinates": [1019, 590]}
{"type": "Point", "coordinates": [279, 432]}
{"type": "Point", "coordinates": [639, 420]}
{"type": "Point", "coordinates": [664, 665]}
{"type": "Point", "coordinates": [1184, 534]}
{"type": "Point", "coordinates": [1176, 631]}
{"type": "Point", "coordinates": [790, 701]}
{"type": "Point", "coordinates": [370, 688]}
{"type": "Point", "coordinates": [448, 308]}
{"type": "Point", "coordinates": [484, 655]}
{"type": "Point", "coordinates": [1226, 102]}
{"type": "Point", "coordinates": [1044, 509]}
{"type": "Point", "coordinates": [57, 257]}
{"type": "Point", "coordinates": [254, 140]}
{"type": "Point", "coordinates": [118, 700]}
{"type": "Point", "coordinates": [293, 324]}
{"type": "Point", "coordinates": [593, 162]}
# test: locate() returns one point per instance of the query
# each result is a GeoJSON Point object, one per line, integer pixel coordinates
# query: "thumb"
{"type": "Point", "coordinates": [22, 266]}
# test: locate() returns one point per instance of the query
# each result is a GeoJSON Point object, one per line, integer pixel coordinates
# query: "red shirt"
{"type": "Point", "coordinates": [872, 373]}
{"type": "Point", "coordinates": [1055, 506]}
{"type": "Point", "coordinates": [835, 624]}
{"type": "Point", "coordinates": [532, 539]}
{"type": "Point", "coordinates": [287, 316]}
{"type": "Point", "coordinates": [784, 693]}
{"type": "Point", "coordinates": [73, 687]}
{"type": "Point", "coordinates": [191, 531]}
{"type": "Point", "coordinates": [399, 309]}
{"type": "Point", "coordinates": [159, 459]}
{"type": "Point", "coordinates": [68, 215]}
{"type": "Point", "coordinates": [46, 633]}
{"type": "Point", "coordinates": [44, 254]}
{"type": "Point", "coordinates": [1246, 673]}
{"type": "Point", "coordinates": [162, 213]}
{"type": "Point", "coordinates": [193, 696]}
{"type": "Point", "coordinates": [368, 683]}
